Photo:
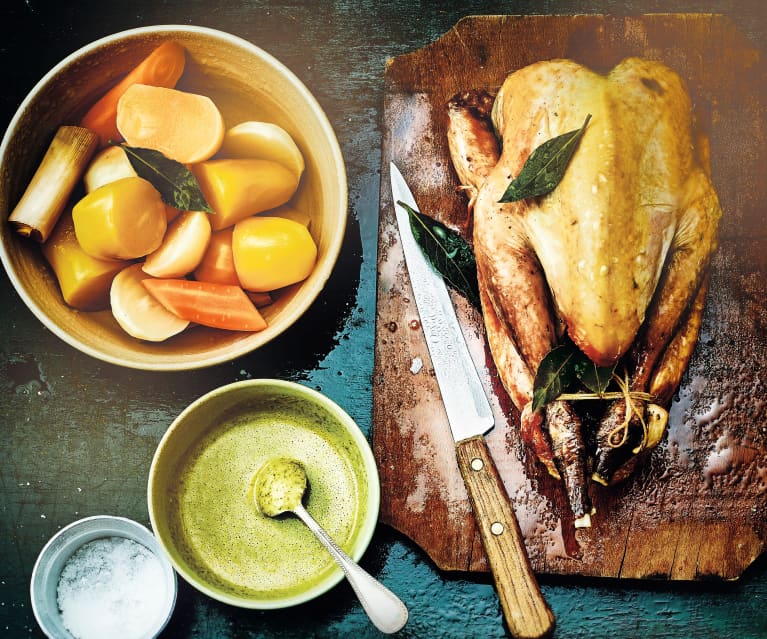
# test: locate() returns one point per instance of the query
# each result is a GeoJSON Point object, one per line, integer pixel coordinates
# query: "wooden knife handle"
{"type": "Point", "coordinates": [527, 614]}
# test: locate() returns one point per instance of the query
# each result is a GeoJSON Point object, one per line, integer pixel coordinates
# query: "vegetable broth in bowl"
{"type": "Point", "coordinates": [246, 84]}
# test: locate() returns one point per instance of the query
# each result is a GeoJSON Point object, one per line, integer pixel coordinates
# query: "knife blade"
{"type": "Point", "coordinates": [470, 416]}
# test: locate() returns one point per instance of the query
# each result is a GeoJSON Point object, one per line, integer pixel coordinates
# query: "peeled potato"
{"type": "Point", "coordinates": [84, 280]}
{"type": "Point", "coordinates": [182, 247]}
{"type": "Point", "coordinates": [272, 252]}
{"type": "Point", "coordinates": [265, 141]}
{"type": "Point", "coordinates": [137, 312]}
{"type": "Point", "coordinates": [109, 165]}
{"type": "Point", "coordinates": [122, 220]}
{"type": "Point", "coordinates": [239, 188]}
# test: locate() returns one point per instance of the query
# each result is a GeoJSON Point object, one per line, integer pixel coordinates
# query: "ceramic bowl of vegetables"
{"type": "Point", "coordinates": [173, 197]}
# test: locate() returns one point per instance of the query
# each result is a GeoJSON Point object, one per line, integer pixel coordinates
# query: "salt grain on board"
{"type": "Point", "coordinates": [111, 587]}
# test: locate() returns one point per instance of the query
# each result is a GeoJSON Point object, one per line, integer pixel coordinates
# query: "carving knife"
{"type": "Point", "coordinates": [470, 416]}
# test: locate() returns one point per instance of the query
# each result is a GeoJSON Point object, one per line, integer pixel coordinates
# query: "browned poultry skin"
{"type": "Point", "coordinates": [473, 138]}
{"type": "Point", "coordinates": [615, 254]}
{"type": "Point", "coordinates": [669, 371]}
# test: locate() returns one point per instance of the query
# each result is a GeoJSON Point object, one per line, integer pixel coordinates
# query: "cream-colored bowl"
{"type": "Point", "coordinates": [200, 493]}
{"type": "Point", "coordinates": [247, 84]}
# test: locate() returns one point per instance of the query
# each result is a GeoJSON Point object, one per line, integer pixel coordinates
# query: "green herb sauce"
{"type": "Point", "coordinates": [235, 546]}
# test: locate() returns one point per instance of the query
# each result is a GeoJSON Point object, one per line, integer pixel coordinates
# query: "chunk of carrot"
{"type": "Point", "coordinates": [163, 67]}
{"type": "Point", "coordinates": [183, 126]}
{"type": "Point", "coordinates": [216, 305]}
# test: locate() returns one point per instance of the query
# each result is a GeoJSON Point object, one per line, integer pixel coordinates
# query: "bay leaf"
{"type": "Point", "coordinates": [545, 166]}
{"type": "Point", "coordinates": [448, 253]}
{"type": "Point", "coordinates": [595, 378]}
{"type": "Point", "coordinates": [555, 374]}
{"type": "Point", "coordinates": [176, 184]}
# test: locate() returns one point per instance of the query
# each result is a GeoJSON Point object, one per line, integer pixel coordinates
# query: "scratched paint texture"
{"type": "Point", "coordinates": [78, 435]}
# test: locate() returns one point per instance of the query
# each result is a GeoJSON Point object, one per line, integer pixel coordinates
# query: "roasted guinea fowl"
{"type": "Point", "coordinates": [615, 258]}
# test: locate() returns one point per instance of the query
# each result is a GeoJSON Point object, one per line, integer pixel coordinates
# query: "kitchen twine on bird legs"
{"type": "Point", "coordinates": [631, 408]}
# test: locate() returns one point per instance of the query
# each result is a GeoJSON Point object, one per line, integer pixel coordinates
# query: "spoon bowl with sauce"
{"type": "Point", "coordinates": [279, 487]}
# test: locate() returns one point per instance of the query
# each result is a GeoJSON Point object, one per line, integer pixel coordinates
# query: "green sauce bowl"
{"type": "Point", "coordinates": [200, 493]}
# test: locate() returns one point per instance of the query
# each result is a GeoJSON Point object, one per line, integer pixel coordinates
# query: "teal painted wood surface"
{"type": "Point", "coordinates": [78, 434]}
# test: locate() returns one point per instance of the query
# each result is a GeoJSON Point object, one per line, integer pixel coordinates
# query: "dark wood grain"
{"type": "Point", "coordinates": [697, 506]}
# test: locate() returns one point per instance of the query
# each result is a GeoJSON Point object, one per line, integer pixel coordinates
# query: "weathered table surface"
{"type": "Point", "coordinates": [78, 435]}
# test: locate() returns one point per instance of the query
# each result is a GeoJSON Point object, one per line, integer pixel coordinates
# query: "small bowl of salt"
{"type": "Point", "coordinates": [103, 577]}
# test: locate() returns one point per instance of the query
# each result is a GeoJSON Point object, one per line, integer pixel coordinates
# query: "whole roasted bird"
{"type": "Point", "coordinates": [615, 258]}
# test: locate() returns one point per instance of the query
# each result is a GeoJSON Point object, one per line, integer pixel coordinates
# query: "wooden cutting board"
{"type": "Point", "coordinates": [698, 506]}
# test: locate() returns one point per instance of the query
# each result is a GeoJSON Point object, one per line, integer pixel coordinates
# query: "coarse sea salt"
{"type": "Point", "coordinates": [111, 587]}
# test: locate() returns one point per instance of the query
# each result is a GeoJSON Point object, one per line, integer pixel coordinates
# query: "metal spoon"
{"type": "Point", "coordinates": [279, 487]}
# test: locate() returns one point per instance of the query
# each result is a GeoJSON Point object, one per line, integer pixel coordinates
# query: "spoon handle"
{"type": "Point", "coordinates": [383, 607]}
